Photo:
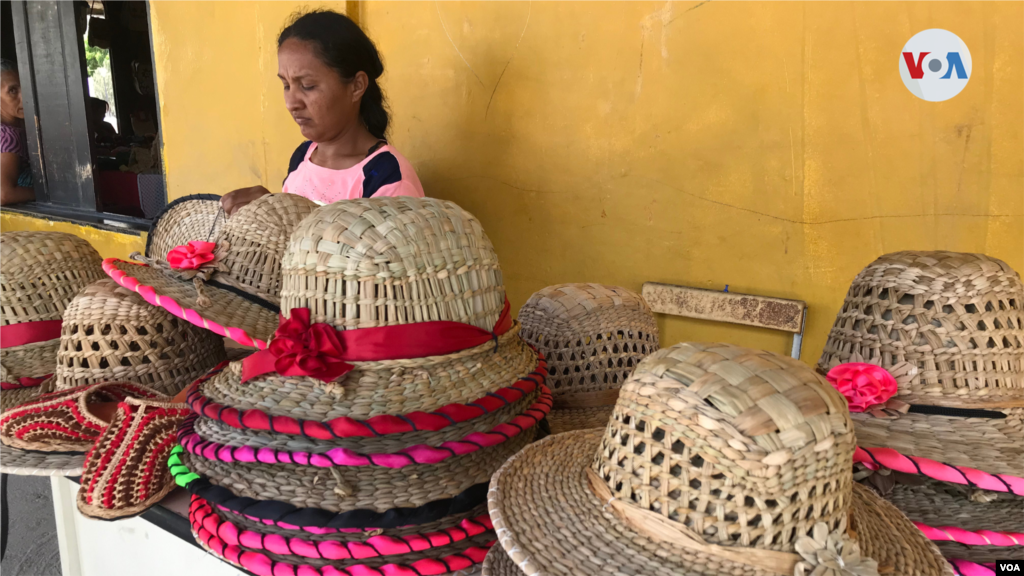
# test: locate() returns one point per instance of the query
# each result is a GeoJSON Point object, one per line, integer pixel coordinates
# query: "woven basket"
{"type": "Point", "coordinates": [592, 337]}
{"type": "Point", "coordinates": [244, 296]}
{"type": "Point", "coordinates": [40, 273]}
{"type": "Point", "coordinates": [110, 333]}
{"type": "Point", "coordinates": [497, 563]}
{"type": "Point", "coordinates": [718, 460]}
{"type": "Point", "coordinates": [958, 317]}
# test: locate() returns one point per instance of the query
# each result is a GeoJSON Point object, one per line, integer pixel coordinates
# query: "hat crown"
{"type": "Point", "coordinates": [110, 332]}
{"type": "Point", "coordinates": [195, 217]}
{"type": "Point", "coordinates": [958, 318]}
{"type": "Point", "coordinates": [591, 335]}
{"type": "Point", "coordinates": [393, 260]}
{"type": "Point", "coordinates": [257, 236]}
{"type": "Point", "coordinates": [41, 272]}
{"type": "Point", "coordinates": [744, 447]}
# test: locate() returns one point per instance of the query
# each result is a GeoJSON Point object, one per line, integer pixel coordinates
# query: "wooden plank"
{"type": "Point", "coordinates": [748, 309]}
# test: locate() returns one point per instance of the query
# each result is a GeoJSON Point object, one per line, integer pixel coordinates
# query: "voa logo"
{"type": "Point", "coordinates": [1007, 567]}
{"type": "Point", "coordinates": [935, 65]}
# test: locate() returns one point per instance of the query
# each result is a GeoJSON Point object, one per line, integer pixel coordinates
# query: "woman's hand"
{"type": "Point", "coordinates": [235, 199]}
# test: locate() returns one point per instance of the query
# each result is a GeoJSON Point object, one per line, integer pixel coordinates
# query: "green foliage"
{"type": "Point", "coordinates": [95, 57]}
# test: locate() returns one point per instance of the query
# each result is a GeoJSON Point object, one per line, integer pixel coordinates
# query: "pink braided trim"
{"type": "Point", "coordinates": [346, 427]}
{"type": "Point", "coordinates": [261, 565]}
{"type": "Point", "coordinates": [418, 454]}
{"type": "Point", "coordinates": [372, 547]}
{"type": "Point", "coordinates": [887, 457]}
{"type": "Point", "coordinates": [968, 568]}
{"type": "Point", "coordinates": [149, 294]}
{"type": "Point", "coordinates": [979, 538]}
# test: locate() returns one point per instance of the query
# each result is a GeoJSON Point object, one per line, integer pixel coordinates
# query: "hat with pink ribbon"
{"type": "Point", "coordinates": [219, 273]}
{"type": "Point", "coordinates": [928, 349]}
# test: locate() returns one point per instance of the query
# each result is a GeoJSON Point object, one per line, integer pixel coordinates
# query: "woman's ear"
{"type": "Point", "coordinates": [359, 84]}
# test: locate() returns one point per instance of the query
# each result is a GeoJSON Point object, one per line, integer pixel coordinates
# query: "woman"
{"type": "Point", "coordinates": [15, 171]}
{"type": "Point", "coordinates": [329, 69]}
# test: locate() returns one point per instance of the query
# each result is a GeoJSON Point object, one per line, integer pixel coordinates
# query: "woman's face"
{"type": "Point", "coordinates": [10, 96]}
{"type": "Point", "coordinates": [321, 102]}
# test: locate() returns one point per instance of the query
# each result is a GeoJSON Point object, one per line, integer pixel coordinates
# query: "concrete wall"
{"type": "Point", "coordinates": [768, 146]}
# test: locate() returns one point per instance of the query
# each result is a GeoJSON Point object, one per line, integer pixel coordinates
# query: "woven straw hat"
{"type": "Point", "coordinates": [112, 334]}
{"type": "Point", "coordinates": [717, 460]}
{"type": "Point", "coordinates": [950, 328]}
{"type": "Point", "coordinates": [236, 294]}
{"type": "Point", "coordinates": [592, 337]}
{"type": "Point", "coordinates": [294, 455]}
{"type": "Point", "coordinates": [40, 274]}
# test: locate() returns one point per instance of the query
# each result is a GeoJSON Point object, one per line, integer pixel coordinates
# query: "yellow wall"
{"type": "Point", "coordinates": [108, 244]}
{"type": "Point", "coordinates": [768, 146]}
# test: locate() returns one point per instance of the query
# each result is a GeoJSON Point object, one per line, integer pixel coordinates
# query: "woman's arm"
{"type": "Point", "coordinates": [10, 192]}
{"type": "Point", "coordinates": [235, 199]}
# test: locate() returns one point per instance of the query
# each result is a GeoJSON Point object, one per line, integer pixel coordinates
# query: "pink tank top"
{"type": "Point", "coordinates": [384, 172]}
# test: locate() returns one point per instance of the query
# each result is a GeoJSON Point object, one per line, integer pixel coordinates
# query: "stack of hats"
{"type": "Point", "coordinates": [362, 439]}
{"type": "Point", "coordinates": [592, 337]}
{"type": "Point", "coordinates": [112, 348]}
{"type": "Point", "coordinates": [948, 448]}
{"type": "Point", "coordinates": [40, 274]}
{"type": "Point", "coordinates": [717, 461]}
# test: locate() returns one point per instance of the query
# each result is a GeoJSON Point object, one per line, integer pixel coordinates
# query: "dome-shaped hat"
{"type": "Point", "coordinates": [227, 277]}
{"type": "Point", "coordinates": [947, 412]}
{"type": "Point", "coordinates": [393, 389]}
{"type": "Point", "coordinates": [592, 337]}
{"type": "Point", "coordinates": [717, 460]}
{"type": "Point", "coordinates": [40, 274]}
{"type": "Point", "coordinates": [112, 334]}
{"type": "Point", "coordinates": [958, 318]}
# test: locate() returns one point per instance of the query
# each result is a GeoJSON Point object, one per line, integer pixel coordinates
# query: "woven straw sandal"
{"type": "Point", "coordinates": [592, 337]}
{"type": "Point", "coordinates": [125, 471]}
{"type": "Point", "coordinates": [61, 421]}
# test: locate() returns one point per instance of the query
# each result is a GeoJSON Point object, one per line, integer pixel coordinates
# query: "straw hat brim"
{"type": "Point", "coordinates": [993, 445]}
{"type": "Point", "coordinates": [550, 522]}
{"type": "Point", "coordinates": [497, 563]}
{"type": "Point", "coordinates": [240, 318]}
{"type": "Point", "coordinates": [944, 506]}
{"type": "Point", "coordinates": [569, 419]}
{"type": "Point", "coordinates": [18, 396]}
{"type": "Point", "coordinates": [30, 463]}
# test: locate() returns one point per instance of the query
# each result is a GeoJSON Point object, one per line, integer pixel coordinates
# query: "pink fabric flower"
{"type": "Point", "coordinates": [191, 256]}
{"type": "Point", "coordinates": [863, 385]}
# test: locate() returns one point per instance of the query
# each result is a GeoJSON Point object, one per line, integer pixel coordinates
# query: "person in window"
{"type": "Point", "coordinates": [15, 171]}
{"type": "Point", "coordinates": [103, 131]}
{"type": "Point", "coordinates": [329, 69]}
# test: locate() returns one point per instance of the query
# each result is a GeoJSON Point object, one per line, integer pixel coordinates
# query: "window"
{"type": "Point", "coordinates": [90, 108]}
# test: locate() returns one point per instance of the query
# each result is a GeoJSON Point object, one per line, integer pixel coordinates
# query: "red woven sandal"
{"type": "Point", "coordinates": [61, 421]}
{"type": "Point", "coordinates": [126, 471]}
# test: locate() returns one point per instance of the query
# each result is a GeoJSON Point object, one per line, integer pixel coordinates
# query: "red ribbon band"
{"type": "Point", "coordinates": [26, 382]}
{"type": "Point", "coordinates": [29, 333]}
{"type": "Point", "coordinates": [318, 350]}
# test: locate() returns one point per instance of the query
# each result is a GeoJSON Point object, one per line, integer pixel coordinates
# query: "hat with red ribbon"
{"type": "Point", "coordinates": [395, 384]}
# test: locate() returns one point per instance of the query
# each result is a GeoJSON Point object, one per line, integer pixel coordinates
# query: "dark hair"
{"type": "Point", "coordinates": [341, 44]}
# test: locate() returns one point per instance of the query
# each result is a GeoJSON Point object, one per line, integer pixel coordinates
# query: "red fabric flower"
{"type": "Point", "coordinates": [863, 385]}
{"type": "Point", "coordinates": [191, 256]}
{"type": "Point", "coordinates": [301, 349]}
